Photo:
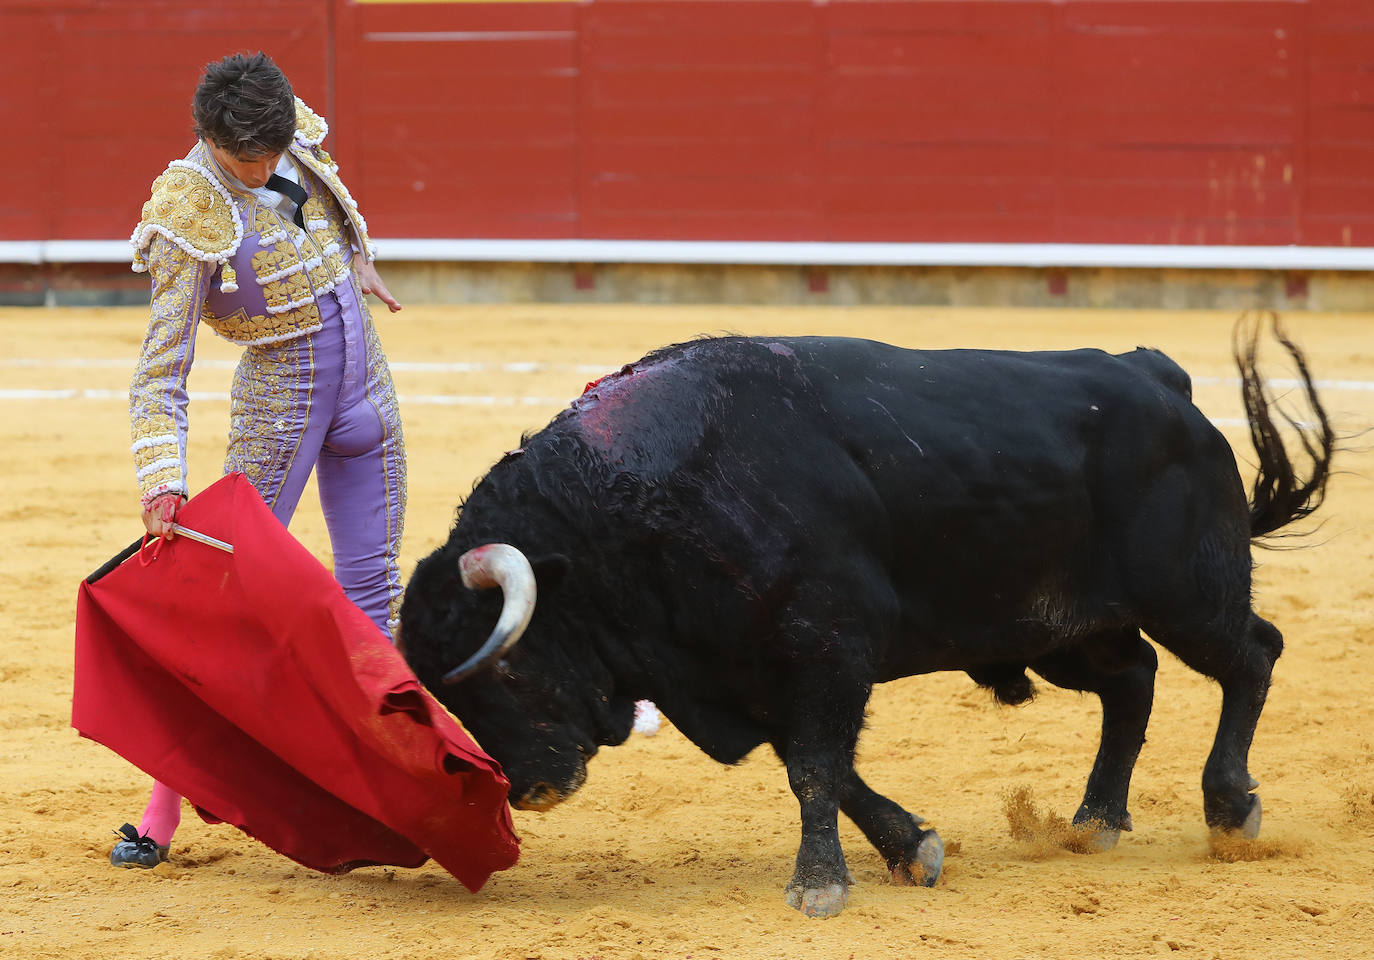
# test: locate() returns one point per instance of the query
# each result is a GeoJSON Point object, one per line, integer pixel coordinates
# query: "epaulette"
{"type": "Point", "coordinates": [191, 208]}
{"type": "Point", "coordinates": [310, 126]}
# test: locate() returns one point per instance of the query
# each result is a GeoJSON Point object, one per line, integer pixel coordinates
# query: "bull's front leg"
{"type": "Point", "coordinates": [820, 884]}
{"type": "Point", "coordinates": [826, 715]}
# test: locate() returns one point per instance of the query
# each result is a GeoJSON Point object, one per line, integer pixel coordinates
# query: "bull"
{"type": "Point", "coordinates": [752, 532]}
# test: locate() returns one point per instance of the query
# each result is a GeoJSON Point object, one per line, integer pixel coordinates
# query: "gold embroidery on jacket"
{"type": "Point", "coordinates": [287, 291]}
{"type": "Point", "coordinates": [178, 291]}
{"type": "Point", "coordinates": [329, 173]}
{"type": "Point", "coordinates": [310, 126]}
{"type": "Point", "coordinates": [275, 259]}
{"type": "Point", "coordinates": [264, 223]}
{"type": "Point", "coordinates": [313, 211]}
{"type": "Point", "coordinates": [186, 208]}
{"type": "Point", "coordinates": [289, 275]}
{"type": "Point", "coordinates": [294, 266]}
{"type": "Point", "coordinates": [242, 329]}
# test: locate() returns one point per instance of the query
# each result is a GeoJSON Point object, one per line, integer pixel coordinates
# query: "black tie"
{"type": "Point", "coordinates": [292, 191]}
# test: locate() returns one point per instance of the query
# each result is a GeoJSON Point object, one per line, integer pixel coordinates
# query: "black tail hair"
{"type": "Point", "coordinates": [1279, 495]}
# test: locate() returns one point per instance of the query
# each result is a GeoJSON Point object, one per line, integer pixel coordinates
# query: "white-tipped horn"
{"type": "Point", "coordinates": [497, 565]}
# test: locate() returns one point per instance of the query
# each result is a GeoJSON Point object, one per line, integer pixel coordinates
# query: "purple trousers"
{"type": "Point", "coordinates": [325, 402]}
{"type": "Point", "coordinates": [322, 402]}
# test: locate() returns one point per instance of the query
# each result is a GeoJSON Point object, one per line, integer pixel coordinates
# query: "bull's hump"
{"type": "Point", "coordinates": [652, 415]}
{"type": "Point", "coordinates": [642, 414]}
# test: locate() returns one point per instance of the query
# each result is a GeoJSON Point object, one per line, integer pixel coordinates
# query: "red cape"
{"type": "Point", "coordinates": [253, 687]}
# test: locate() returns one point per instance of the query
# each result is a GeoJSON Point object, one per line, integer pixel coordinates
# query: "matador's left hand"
{"type": "Point", "coordinates": [367, 273]}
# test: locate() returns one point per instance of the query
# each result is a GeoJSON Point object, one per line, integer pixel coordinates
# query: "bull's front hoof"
{"type": "Point", "coordinates": [924, 868]}
{"type": "Point", "coordinates": [818, 901]}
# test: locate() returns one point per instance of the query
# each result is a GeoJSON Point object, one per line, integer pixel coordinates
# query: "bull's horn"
{"type": "Point", "coordinates": [497, 565]}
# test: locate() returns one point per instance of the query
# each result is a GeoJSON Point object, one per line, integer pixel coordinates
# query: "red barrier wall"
{"type": "Point", "coordinates": [1140, 121]}
{"type": "Point", "coordinates": [95, 99]}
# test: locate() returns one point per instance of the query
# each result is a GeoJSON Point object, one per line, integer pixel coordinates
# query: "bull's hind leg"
{"type": "Point", "coordinates": [1186, 563]}
{"type": "Point", "coordinates": [1120, 668]}
{"type": "Point", "coordinates": [1227, 800]}
{"type": "Point", "coordinates": [1242, 662]}
{"type": "Point", "coordinates": [913, 855]}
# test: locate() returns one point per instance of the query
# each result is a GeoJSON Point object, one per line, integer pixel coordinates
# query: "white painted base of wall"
{"type": "Point", "coordinates": [1067, 255]}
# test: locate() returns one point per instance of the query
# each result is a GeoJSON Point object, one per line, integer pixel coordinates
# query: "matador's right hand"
{"type": "Point", "coordinates": [161, 513]}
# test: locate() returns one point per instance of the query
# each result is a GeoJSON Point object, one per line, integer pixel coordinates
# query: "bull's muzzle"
{"type": "Point", "coordinates": [539, 798]}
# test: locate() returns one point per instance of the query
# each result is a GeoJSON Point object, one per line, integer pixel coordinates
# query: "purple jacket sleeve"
{"type": "Point", "coordinates": [157, 396]}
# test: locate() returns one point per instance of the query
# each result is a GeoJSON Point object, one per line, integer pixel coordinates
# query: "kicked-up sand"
{"type": "Point", "coordinates": [665, 854]}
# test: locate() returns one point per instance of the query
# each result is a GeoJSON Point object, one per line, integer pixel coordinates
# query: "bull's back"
{"type": "Point", "coordinates": [947, 427]}
{"type": "Point", "coordinates": [938, 468]}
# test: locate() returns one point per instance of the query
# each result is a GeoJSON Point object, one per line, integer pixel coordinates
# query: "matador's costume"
{"type": "Point", "coordinates": [312, 389]}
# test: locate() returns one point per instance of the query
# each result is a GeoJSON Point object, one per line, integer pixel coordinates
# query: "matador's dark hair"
{"type": "Point", "coordinates": [244, 104]}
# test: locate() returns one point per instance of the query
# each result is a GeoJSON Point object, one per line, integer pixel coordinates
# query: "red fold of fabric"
{"type": "Point", "coordinates": [253, 687]}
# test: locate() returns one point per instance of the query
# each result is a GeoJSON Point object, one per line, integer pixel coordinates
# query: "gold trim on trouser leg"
{"type": "Point", "coordinates": [270, 413]}
{"type": "Point", "coordinates": [381, 394]}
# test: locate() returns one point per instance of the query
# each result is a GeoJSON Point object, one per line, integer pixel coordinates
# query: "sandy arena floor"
{"type": "Point", "coordinates": [664, 853]}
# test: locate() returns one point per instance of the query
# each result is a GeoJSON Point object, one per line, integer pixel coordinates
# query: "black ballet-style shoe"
{"type": "Point", "coordinates": [135, 850]}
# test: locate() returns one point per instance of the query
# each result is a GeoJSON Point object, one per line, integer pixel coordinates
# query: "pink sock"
{"type": "Point", "coordinates": [162, 815]}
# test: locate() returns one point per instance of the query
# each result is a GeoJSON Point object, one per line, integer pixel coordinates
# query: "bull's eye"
{"type": "Point", "coordinates": [503, 669]}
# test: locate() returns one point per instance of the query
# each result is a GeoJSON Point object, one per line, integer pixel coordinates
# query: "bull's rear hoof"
{"type": "Point", "coordinates": [1251, 827]}
{"type": "Point", "coordinates": [819, 901]}
{"type": "Point", "coordinates": [924, 868]}
{"type": "Point", "coordinates": [1095, 834]}
{"type": "Point", "coordinates": [1094, 839]}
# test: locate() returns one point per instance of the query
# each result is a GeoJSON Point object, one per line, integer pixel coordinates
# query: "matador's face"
{"type": "Point", "coordinates": [252, 172]}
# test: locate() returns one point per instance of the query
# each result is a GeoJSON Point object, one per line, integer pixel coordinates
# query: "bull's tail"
{"type": "Point", "coordinates": [1280, 494]}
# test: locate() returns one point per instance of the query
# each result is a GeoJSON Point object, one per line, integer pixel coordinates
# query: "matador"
{"type": "Point", "coordinates": [254, 233]}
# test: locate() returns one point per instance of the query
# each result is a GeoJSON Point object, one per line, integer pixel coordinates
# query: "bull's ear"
{"type": "Point", "coordinates": [549, 572]}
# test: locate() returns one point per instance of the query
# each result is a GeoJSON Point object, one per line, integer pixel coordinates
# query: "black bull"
{"type": "Point", "coordinates": [752, 532]}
